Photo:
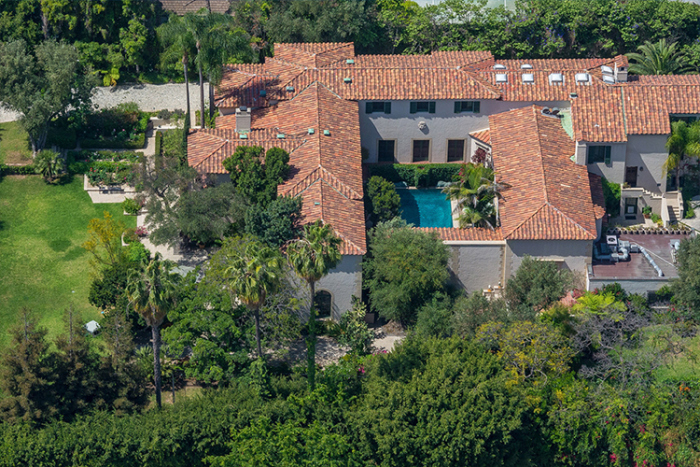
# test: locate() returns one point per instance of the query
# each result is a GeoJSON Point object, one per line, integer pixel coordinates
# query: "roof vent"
{"type": "Point", "coordinates": [499, 66]}
{"type": "Point", "coordinates": [501, 78]}
{"type": "Point", "coordinates": [326, 132]}
{"type": "Point", "coordinates": [347, 80]}
{"type": "Point", "coordinates": [528, 78]}
{"type": "Point", "coordinates": [582, 78]}
{"type": "Point", "coordinates": [263, 93]}
{"type": "Point", "coordinates": [289, 88]}
{"type": "Point", "coordinates": [608, 79]}
{"type": "Point", "coordinates": [280, 135]}
{"type": "Point", "coordinates": [349, 61]}
{"type": "Point", "coordinates": [526, 66]}
{"type": "Point", "coordinates": [243, 135]}
{"type": "Point", "coordinates": [606, 69]}
{"type": "Point", "coordinates": [573, 95]}
{"type": "Point", "coordinates": [556, 78]}
{"type": "Point", "coordinates": [311, 131]}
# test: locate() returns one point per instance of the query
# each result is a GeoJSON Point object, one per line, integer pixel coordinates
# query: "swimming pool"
{"type": "Point", "coordinates": [425, 207]}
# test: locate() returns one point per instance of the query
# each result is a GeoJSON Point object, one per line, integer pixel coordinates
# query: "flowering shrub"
{"type": "Point", "coordinates": [104, 167]}
{"type": "Point", "coordinates": [141, 231]}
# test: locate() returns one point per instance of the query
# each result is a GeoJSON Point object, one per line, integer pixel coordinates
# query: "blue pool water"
{"type": "Point", "coordinates": [425, 208]}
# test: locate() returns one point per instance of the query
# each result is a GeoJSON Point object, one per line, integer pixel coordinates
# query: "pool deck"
{"type": "Point", "coordinates": [657, 245]}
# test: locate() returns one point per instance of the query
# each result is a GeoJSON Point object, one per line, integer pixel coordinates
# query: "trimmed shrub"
{"type": "Point", "coordinates": [17, 169]}
{"type": "Point", "coordinates": [416, 174]}
{"type": "Point", "coordinates": [131, 206]}
{"type": "Point", "coordinates": [65, 138]}
{"type": "Point", "coordinates": [137, 143]}
{"type": "Point", "coordinates": [159, 143]}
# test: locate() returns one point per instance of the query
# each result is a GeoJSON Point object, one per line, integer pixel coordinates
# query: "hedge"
{"type": "Point", "coordinates": [138, 143]}
{"type": "Point", "coordinates": [416, 174]}
{"type": "Point", "coordinates": [65, 138]}
{"type": "Point", "coordinates": [159, 143]}
{"type": "Point", "coordinates": [17, 169]}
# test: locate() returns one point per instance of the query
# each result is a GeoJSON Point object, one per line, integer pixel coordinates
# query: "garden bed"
{"type": "Point", "coordinates": [104, 168]}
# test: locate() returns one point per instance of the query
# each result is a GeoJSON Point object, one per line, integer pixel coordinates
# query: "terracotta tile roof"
{"type": "Point", "coordinates": [314, 55]}
{"type": "Point", "coordinates": [647, 108]}
{"type": "Point", "coordinates": [597, 114]}
{"type": "Point", "coordinates": [482, 135]}
{"type": "Point", "coordinates": [469, 234]}
{"type": "Point", "coordinates": [180, 7]}
{"type": "Point", "coordinates": [434, 60]}
{"type": "Point", "coordinates": [549, 198]}
{"type": "Point", "coordinates": [547, 64]}
{"type": "Point", "coordinates": [539, 90]}
{"type": "Point", "coordinates": [325, 169]}
{"type": "Point", "coordinates": [597, 196]}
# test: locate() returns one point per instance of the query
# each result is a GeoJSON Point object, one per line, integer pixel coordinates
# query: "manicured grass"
{"type": "Point", "coordinates": [42, 264]}
{"type": "Point", "coordinates": [14, 146]}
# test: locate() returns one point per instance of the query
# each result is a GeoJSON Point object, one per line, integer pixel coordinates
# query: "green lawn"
{"type": "Point", "coordinates": [42, 265]}
{"type": "Point", "coordinates": [14, 148]}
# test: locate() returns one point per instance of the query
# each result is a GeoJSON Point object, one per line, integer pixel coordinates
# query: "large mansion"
{"type": "Point", "coordinates": [551, 128]}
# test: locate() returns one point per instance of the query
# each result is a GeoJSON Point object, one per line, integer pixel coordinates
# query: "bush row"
{"type": "Point", "coordinates": [416, 174]}
{"type": "Point", "coordinates": [17, 169]}
{"type": "Point", "coordinates": [65, 138]}
{"type": "Point", "coordinates": [159, 143]}
{"type": "Point", "coordinates": [138, 143]}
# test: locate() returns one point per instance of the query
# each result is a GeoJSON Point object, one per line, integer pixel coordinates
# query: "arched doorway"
{"type": "Point", "coordinates": [323, 303]}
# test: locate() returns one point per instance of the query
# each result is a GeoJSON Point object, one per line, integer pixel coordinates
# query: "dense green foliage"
{"type": "Point", "coordinates": [612, 192]}
{"type": "Point", "coordinates": [382, 201]}
{"type": "Point", "coordinates": [687, 288]}
{"type": "Point", "coordinates": [536, 285]}
{"type": "Point", "coordinates": [419, 175]}
{"type": "Point", "coordinates": [277, 223]}
{"type": "Point", "coordinates": [253, 179]}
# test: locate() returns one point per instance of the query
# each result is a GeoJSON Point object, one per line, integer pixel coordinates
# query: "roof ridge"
{"type": "Point", "coordinates": [536, 118]}
{"type": "Point", "coordinates": [534, 213]}
{"type": "Point", "coordinates": [569, 218]}
{"type": "Point", "coordinates": [488, 86]}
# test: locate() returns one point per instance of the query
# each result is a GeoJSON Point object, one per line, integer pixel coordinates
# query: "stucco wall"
{"type": "Point", "coordinates": [615, 172]}
{"type": "Point", "coordinates": [648, 152]}
{"type": "Point", "coordinates": [574, 254]}
{"type": "Point", "coordinates": [444, 124]}
{"type": "Point", "coordinates": [343, 282]}
{"type": "Point", "coordinates": [475, 267]}
{"type": "Point", "coordinates": [639, 286]}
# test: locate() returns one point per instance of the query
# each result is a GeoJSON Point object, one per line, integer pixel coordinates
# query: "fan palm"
{"type": "Point", "coordinates": [311, 257]}
{"type": "Point", "coordinates": [477, 193]}
{"type": "Point", "coordinates": [660, 58]}
{"type": "Point", "coordinates": [254, 271]}
{"type": "Point", "coordinates": [48, 164]}
{"type": "Point", "coordinates": [683, 142]}
{"type": "Point", "coordinates": [151, 289]}
{"type": "Point", "coordinates": [178, 38]}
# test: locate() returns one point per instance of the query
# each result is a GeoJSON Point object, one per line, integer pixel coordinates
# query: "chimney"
{"type": "Point", "coordinates": [620, 73]}
{"type": "Point", "coordinates": [243, 119]}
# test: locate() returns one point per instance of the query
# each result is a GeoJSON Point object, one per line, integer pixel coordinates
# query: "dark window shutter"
{"type": "Point", "coordinates": [368, 108]}
{"type": "Point", "coordinates": [431, 108]}
{"type": "Point", "coordinates": [458, 107]}
{"type": "Point", "coordinates": [477, 107]}
{"type": "Point", "coordinates": [608, 157]}
{"type": "Point", "coordinates": [387, 107]}
{"type": "Point", "coordinates": [414, 107]}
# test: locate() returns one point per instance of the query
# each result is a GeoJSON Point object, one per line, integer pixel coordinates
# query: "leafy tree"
{"type": "Point", "coordinates": [471, 311]}
{"type": "Point", "coordinates": [253, 271]}
{"type": "Point", "coordinates": [42, 85]}
{"type": "Point", "coordinates": [104, 241]}
{"type": "Point", "coordinates": [530, 351]}
{"type": "Point", "coordinates": [133, 41]}
{"type": "Point", "coordinates": [48, 164]}
{"type": "Point", "coordinates": [152, 292]}
{"type": "Point", "coordinates": [405, 269]}
{"type": "Point", "coordinates": [254, 180]}
{"type": "Point", "coordinates": [311, 257]}
{"type": "Point", "coordinates": [382, 199]}
{"type": "Point", "coordinates": [686, 288]}
{"type": "Point", "coordinates": [536, 285]}
{"type": "Point", "coordinates": [27, 374]}
{"type": "Point", "coordinates": [434, 318]}
{"type": "Point", "coordinates": [207, 215]}
{"type": "Point", "coordinates": [354, 330]}
{"type": "Point", "coordinates": [277, 223]}
{"type": "Point", "coordinates": [660, 58]}
{"type": "Point", "coordinates": [682, 144]}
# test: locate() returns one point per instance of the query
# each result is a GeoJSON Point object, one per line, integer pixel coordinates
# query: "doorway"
{"type": "Point", "coordinates": [631, 176]}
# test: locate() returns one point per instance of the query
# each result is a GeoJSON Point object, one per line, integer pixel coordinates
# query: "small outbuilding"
{"type": "Point", "coordinates": [93, 327]}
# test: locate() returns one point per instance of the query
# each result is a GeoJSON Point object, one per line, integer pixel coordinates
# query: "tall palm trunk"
{"type": "Point", "coordinates": [311, 341]}
{"type": "Point", "coordinates": [201, 87]}
{"type": "Point", "coordinates": [155, 332]}
{"type": "Point", "coordinates": [211, 99]}
{"type": "Point", "coordinates": [187, 90]}
{"type": "Point", "coordinates": [257, 331]}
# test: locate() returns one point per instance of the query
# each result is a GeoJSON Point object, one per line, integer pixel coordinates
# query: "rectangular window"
{"type": "Point", "coordinates": [598, 154]}
{"type": "Point", "coordinates": [421, 150]}
{"type": "Point", "coordinates": [417, 107]}
{"type": "Point", "coordinates": [385, 150]}
{"type": "Point", "coordinates": [455, 150]}
{"type": "Point", "coordinates": [467, 106]}
{"type": "Point", "coordinates": [378, 107]}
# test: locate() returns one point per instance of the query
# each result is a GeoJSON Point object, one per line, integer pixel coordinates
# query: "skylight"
{"type": "Point", "coordinates": [582, 78]}
{"type": "Point", "coordinates": [526, 66]}
{"type": "Point", "coordinates": [556, 78]}
{"type": "Point", "coordinates": [501, 78]}
{"type": "Point", "coordinates": [608, 79]}
{"type": "Point", "coordinates": [606, 69]}
{"type": "Point", "coordinates": [499, 66]}
{"type": "Point", "coordinates": [528, 78]}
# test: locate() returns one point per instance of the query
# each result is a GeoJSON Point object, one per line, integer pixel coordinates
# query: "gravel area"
{"type": "Point", "coordinates": [149, 97]}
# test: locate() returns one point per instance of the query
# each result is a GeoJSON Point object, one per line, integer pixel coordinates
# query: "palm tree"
{"type": "Point", "coordinates": [311, 257]}
{"type": "Point", "coordinates": [176, 35]}
{"type": "Point", "coordinates": [683, 142]}
{"type": "Point", "coordinates": [254, 271]}
{"type": "Point", "coordinates": [151, 289]}
{"type": "Point", "coordinates": [477, 193]}
{"type": "Point", "coordinates": [658, 59]}
{"type": "Point", "coordinates": [48, 164]}
{"type": "Point", "coordinates": [221, 44]}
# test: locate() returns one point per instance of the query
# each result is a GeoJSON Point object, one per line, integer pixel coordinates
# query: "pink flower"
{"type": "Point", "coordinates": [613, 457]}
{"type": "Point", "coordinates": [361, 369]}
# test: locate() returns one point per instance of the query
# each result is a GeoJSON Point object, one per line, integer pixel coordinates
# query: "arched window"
{"type": "Point", "coordinates": [323, 303]}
